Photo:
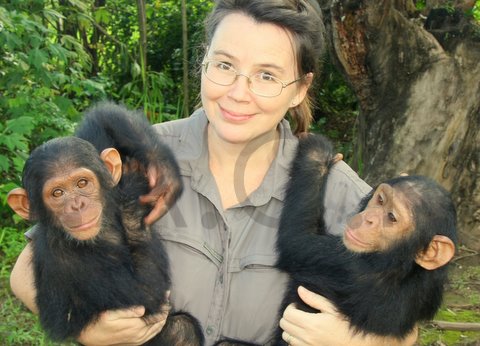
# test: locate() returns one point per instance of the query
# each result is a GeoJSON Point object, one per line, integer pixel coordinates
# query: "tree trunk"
{"type": "Point", "coordinates": [419, 94]}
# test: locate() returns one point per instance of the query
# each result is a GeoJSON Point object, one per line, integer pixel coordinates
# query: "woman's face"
{"type": "Point", "coordinates": [235, 113]}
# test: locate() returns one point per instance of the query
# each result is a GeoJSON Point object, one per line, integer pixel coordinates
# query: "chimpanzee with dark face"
{"type": "Point", "coordinates": [92, 250]}
{"type": "Point", "coordinates": [388, 271]}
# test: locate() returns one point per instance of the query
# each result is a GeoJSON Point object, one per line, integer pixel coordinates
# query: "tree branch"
{"type": "Point", "coordinates": [461, 326]}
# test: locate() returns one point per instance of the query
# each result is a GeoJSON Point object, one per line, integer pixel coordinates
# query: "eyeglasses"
{"type": "Point", "coordinates": [261, 83]}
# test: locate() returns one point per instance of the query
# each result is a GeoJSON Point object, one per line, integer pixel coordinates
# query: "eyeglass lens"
{"type": "Point", "coordinates": [261, 84]}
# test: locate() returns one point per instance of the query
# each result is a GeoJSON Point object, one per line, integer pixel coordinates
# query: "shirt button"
{"type": "Point", "coordinates": [209, 330]}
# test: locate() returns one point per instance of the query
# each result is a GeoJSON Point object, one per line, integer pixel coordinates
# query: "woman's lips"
{"type": "Point", "coordinates": [235, 117]}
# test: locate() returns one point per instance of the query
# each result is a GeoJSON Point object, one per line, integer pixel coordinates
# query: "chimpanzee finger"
{"type": "Point", "coordinates": [337, 157]}
{"type": "Point", "coordinates": [157, 212]}
{"type": "Point", "coordinates": [152, 175]}
{"type": "Point", "coordinates": [163, 182]}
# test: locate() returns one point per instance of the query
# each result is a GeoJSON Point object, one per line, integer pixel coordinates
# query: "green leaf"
{"type": "Point", "coordinates": [19, 162]}
{"type": "Point", "coordinates": [58, 52]}
{"type": "Point", "coordinates": [4, 163]}
{"type": "Point", "coordinates": [81, 5]}
{"type": "Point", "coordinates": [102, 15]}
{"type": "Point", "coordinates": [52, 15]}
{"type": "Point", "coordinates": [22, 124]}
{"type": "Point", "coordinates": [37, 58]}
{"type": "Point", "coordinates": [64, 105]}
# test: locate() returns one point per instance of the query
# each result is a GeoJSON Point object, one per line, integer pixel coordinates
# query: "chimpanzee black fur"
{"type": "Point", "coordinates": [125, 264]}
{"type": "Point", "coordinates": [385, 293]}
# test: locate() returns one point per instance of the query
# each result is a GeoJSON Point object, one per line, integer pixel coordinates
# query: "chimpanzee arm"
{"type": "Point", "coordinates": [109, 125]}
{"type": "Point", "coordinates": [302, 215]}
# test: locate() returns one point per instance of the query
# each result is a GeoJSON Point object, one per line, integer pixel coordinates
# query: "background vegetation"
{"type": "Point", "coordinates": [60, 56]}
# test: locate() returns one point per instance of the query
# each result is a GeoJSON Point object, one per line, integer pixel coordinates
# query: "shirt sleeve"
{"type": "Point", "coordinates": [344, 192]}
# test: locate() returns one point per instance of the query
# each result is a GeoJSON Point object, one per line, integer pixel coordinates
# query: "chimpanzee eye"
{"type": "Point", "coordinates": [57, 193]}
{"type": "Point", "coordinates": [82, 183]}
{"type": "Point", "coordinates": [391, 217]}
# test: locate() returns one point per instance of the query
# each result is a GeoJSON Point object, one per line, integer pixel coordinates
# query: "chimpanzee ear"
{"type": "Point", "coordinates": [439, 252]}
{"type": "Point", "coordinates": [17, 199]}
{"type": "Point", "coordinates": [111, 158]}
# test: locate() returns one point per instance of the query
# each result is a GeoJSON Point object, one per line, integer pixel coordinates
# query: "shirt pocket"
{"type": "Point", "coordinates": [256, 291]}
{"type": "Point", "coordinates": [193, 268]}
{"type": "Point", "coordinates": [190, 243]}
{"type": "Point", "coordinates": [257, 262]}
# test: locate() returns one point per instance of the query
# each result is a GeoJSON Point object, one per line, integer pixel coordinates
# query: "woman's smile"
{"type": "Point", "coordinates": [232, 116]}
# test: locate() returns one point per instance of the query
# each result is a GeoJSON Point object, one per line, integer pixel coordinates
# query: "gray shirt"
{"type": "Point", "coordinates": [222, 261]}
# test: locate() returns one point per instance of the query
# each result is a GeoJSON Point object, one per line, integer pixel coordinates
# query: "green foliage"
{"type": "Point", "coordinates": [476, 11]}
{"type": "Point", "coordinates": [151, 99]}
{"type": "Point", "coordinates": [336, 111]}
{"type": "Point", "coordinates": [14, 142]}
{"type": "Point", "coordinates": [420, 4]}
{"type": "Point", "coordinates": [115, 38]}
{"type": "Point", "coordinates": [19, 326]}
{"type": "Point", "coordinates": [165, 25]}
{"type": "Point", "coordinates": [44, 82]}
{"type": "Point", "coordinates": [433, 336]}
{"type": "Point", "coordinates": [11, 243]}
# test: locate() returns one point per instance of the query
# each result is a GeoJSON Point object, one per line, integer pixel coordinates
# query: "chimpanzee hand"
{"type": "Point", "coordinates": [165, 187]}
{"type": "Point", "coordinates": [337, 157]}
{"type": "Point", "coordinates": [123, 327]}
{"type": "Point", "coordinates": [328, 326]}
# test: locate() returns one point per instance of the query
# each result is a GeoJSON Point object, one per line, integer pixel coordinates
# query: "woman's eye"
{"type": "Point", "coordinates": [267, 77]}
{"type": "Point", "coordinates": [82, 183]}
{"type": "Point", "coordinates": [57, 193]}
{"type": "Point", "coordinates": [223, 66]}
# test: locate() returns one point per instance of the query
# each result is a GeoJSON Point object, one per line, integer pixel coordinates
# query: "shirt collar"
{"type": "Point", "coordinates": [193, 160]}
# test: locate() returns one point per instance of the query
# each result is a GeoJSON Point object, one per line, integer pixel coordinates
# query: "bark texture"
{"type": "Point", "coordinates": [417, 80]}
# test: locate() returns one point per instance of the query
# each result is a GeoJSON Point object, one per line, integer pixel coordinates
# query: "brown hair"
{"type": "Point", "coordinates": [302, 19]}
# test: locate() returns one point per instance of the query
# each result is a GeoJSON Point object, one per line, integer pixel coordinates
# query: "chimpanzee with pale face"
{"type": "Point", "coordinates": [92, 250]}
{"type": "Point", "coordinates": [388, 270]}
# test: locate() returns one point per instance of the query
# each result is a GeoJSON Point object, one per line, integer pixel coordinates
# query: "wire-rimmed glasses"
{"type": "Point", "coordinates": [261, 83]}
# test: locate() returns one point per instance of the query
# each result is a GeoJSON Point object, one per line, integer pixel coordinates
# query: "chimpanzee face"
{"type": "Point", "coordinates": [73, 196]}
{"type": "Point", "coordinates": [66, 185]}
{"type": "Point", "coordinates": [386, 219]}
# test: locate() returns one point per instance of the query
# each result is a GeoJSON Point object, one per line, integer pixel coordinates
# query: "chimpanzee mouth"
{"type": "Point", "coordinates": [85, 226]}
{"type": "Point", "coordinates": [350, 235]}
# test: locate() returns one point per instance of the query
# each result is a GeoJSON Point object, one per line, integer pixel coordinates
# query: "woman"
{"type": "Point", "coordinates": [234, 155]}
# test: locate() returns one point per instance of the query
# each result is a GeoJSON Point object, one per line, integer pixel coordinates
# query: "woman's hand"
{"type": "Point", "coordinates": [124, 327]}
{"type": "Point", "coordinates": [327, 327]}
